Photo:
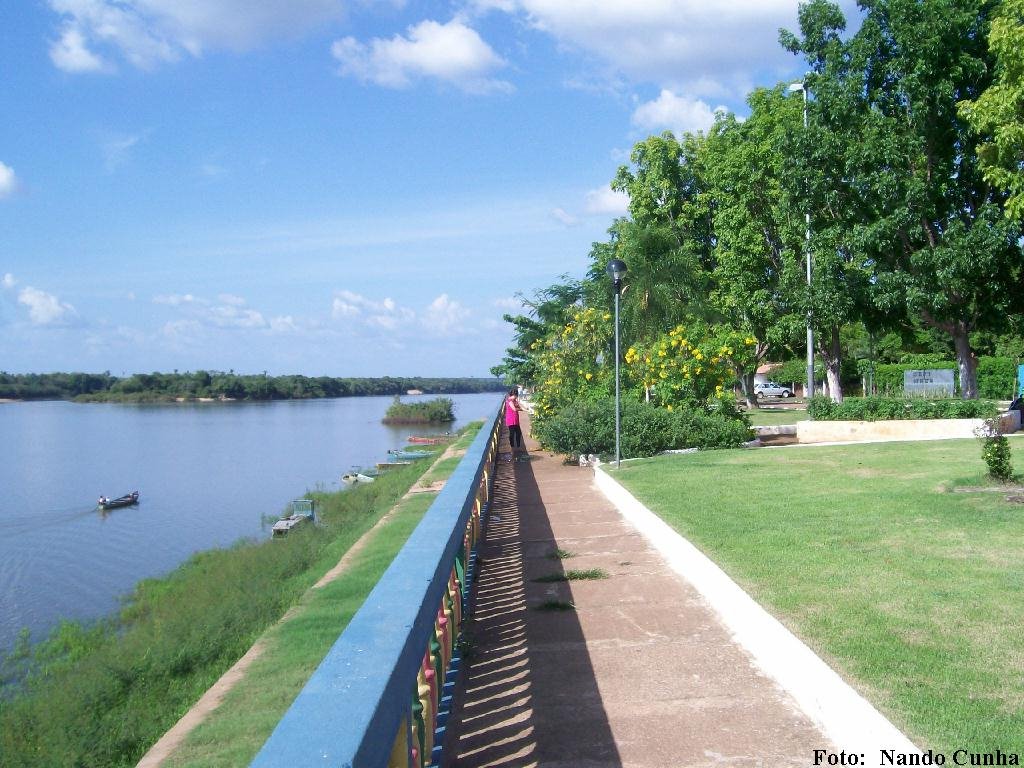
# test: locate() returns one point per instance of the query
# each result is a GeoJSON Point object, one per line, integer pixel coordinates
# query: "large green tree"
{"type": "Point", "coordinates": [667, 242]}
{"type": "Point", "coordinates": [757, 284]}
{"type": "Point", "coordinates": [998, 113]}
{"type": "Point", "coordinates": [912, 219]}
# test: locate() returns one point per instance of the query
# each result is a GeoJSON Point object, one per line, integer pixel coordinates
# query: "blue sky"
{"type": "Point", "coordinates": [329, 187]}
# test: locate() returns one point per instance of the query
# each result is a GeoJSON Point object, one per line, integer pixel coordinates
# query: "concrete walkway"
{"type": "Point", "coordinates": [630, 670]}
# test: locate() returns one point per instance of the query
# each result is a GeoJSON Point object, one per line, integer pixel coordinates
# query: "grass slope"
{"type": "Point", "coordinates": [237, 729]}
{"type": "Point", "coordinates": [913, 591]}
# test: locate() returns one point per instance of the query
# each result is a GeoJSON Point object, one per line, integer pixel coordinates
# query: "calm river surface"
{"type": "Point", "coordinates": [208, 475]}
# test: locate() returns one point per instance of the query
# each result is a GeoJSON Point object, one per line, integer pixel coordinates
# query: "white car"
{"type": "Point", "coordinates": [771, 389]}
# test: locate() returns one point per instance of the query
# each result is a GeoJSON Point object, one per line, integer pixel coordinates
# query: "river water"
{"type": "Point", "coordinates": [208, 475]}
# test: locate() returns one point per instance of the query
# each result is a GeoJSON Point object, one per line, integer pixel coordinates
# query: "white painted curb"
{"type": "Point", "coordinates": [842, 714]}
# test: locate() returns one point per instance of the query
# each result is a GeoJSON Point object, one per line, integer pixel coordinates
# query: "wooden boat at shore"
{"type": "Point", "coordinates": [302, 512]}
{"type": "Point", "coordinates": [434, 440]}
{"type": "Point", "coordinates": [121, 501]}
{"type": "Point", "coordinates": [383, 465]}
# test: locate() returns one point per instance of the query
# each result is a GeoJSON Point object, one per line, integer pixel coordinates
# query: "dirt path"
{"type": "Point", "coordinates": [210, 700]}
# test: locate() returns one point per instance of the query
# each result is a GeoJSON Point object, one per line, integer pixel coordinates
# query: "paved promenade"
{"type": "Point", "coordinates": [630, 670]}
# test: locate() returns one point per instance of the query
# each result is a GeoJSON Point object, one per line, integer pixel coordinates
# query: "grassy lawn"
{"type": "Point", "coordinates": [911, 589]}
{"type": "Point", "coordinates": [769, 417]}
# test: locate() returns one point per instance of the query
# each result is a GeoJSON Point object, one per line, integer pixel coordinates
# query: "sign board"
{"type": "Point", "coordinates": [933, 382]}
{"type": "Point", "coordinates": [1020, 380]}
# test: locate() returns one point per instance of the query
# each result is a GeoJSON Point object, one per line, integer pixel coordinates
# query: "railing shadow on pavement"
{"type": "Point", "coordinates": [527, 693]}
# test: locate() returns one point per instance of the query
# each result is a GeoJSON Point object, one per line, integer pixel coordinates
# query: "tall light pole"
{"type": "Point", "coordinates": [616, 269]}
{"type": "Point", "coordinates": [809, 389]}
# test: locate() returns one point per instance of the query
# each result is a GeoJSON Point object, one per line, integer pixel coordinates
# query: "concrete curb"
{"type": "Point", "coordinates": [848, 719]}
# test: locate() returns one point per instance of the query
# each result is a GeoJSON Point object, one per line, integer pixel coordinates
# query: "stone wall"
{"type": "Point", "coordinates": [908, 429]}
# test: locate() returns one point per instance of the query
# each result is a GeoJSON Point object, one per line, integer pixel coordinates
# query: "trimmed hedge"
{"type": "Point", "coordinates": [589, 427]}
{"type": "Point", "coordinates": [890, 408]}
{"type": "Point", "coordinates": [997, 376]}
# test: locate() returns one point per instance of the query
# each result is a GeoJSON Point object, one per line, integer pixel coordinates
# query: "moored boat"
{"type": "Point", "coordinates": [434, 440]}
{"type": "Point", "coordinates": [413, 455]}
{"type": "Point", "coordinates": [121, 501]}
{"type": "Point", "coordinates": [382, 465]}
{"type": "Point", "coordinates": [302, 512]}
{"type": "Point", "coordinates": [351, 478]}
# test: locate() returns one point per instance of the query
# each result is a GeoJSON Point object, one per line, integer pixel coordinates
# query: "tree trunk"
{"type": "Point", "coordinates": [966, 362]}
{"type": "Point", "coordinates": [831, 356]}
{"type": "Point", "coordinates": [747, 385]}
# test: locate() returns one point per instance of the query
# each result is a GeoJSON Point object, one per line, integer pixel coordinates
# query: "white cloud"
{"type": "Point", "coordinates": [605, 200]}
{"type": "Point", "coordinates": [176, 299]}
{"type": "Point", "coordinates": [679, 114]}
{"type": "Point", "coordinates": [117, 148]}
{"type": "Point", "coordinates": [150, 32]}
{"type": "Point", "coordinates": [45, 308]}
{"type": "Point", "coordinates": [8, 281]}
{"type": "Point", "coordinates": [445, 317]}
{"type": "Point", "coordinates": [70, 53]}
{"type": "Point", "coordinates": [182, 330]}
{"type": "Point", "coordinates": [508, 302]}
{"type": "Point", "coordinates": [229, 311]}
{"type": "Point", "coordinates": [385, 314]}
{"type": "Point", "coordinates": [283, 324]}
{"type": "Point", "coordinates": [563, 217]}
{"type": "Point", "coordinates": [452, 53]}
{"type": "Point", "coordinates": [231, 316]}
{"type": "Point", "coordinates": [714, 49]}
{"type": "Point", "coordinates": [8, 181]}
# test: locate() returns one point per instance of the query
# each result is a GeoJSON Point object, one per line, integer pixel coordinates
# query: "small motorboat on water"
{"type": "Point", "coordinates": [351, 478]}
{"type": "Point", "coordinates": [121, 501]}
{"type": "Point", "coordinates": [411, 455]}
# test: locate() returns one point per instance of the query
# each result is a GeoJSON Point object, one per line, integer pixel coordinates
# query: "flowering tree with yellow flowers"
{"type": "Point", "coordinates": [690, 365]}
{"type": "Point", "coordinates": [574, 361]}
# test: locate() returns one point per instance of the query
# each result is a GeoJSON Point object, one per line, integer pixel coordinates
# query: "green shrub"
{"type": "Point", "coordinates": [589, 427]}
{"type": "Point", "coordinates": [646, 429]}
{"type": "Point", "coordinates": [710, 430]}
{"type": "Point", "coordinates": [821, 408]}
{"type": "Point", "coordinates": [995, 451]}
{"type": "Point", "coordinates": [997, 377]}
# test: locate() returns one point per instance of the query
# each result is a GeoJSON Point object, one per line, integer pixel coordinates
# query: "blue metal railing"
{"type": "Point", "coordinates": [374, 700]}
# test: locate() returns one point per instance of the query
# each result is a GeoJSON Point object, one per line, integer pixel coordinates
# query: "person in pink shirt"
{"type": "Point", "coordinates": [512, 409]}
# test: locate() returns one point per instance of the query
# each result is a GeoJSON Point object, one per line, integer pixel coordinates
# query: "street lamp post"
{"type": "Point", "coordinates": [616, 269]}
{"type": "Point", "coordinates": [809, 390]}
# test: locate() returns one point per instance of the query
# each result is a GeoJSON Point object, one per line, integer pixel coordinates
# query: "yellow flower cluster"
{"type": "Point", "coordinates": [683, 365]}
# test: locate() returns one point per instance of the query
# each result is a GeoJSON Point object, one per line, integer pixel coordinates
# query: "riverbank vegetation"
{"type": "Point", "coordinates": [438, 411]}
{"type": "Point", "coordinates": [874, 201]}
{"type": "Point", "coordinates": [217, 385]}
{"type": "Point", "coordinates": [901, 571]}
{"type": "Point", "coordinates": [237, 729]}
{"type": "Point", "coordinates": [102, 694]}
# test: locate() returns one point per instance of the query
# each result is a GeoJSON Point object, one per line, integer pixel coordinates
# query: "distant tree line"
{"type": "Point", "coordinates": [218, 385]}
